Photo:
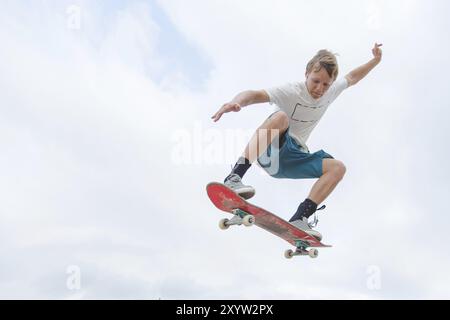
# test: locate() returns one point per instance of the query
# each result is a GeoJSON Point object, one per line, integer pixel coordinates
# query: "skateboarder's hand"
{"type": "Point", "coordinates": [377, 52]}
{"type": "Point", "coordinates": [227, 107]}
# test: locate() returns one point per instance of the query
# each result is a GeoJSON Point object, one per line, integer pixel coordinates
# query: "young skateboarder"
{"type": "Point", "coordinates": [282, 137]}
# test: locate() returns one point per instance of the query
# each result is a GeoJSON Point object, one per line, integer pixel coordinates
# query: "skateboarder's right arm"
{"type": "Point", "coordinates": [243, 99]}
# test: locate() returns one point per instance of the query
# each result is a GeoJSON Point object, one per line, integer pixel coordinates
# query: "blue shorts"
{"type": "Point", "coordinates": [292, 161]}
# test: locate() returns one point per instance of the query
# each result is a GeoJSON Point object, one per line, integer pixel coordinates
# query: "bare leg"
{"type": "Point", "coordinates": [333, 172]}
{"type": "Point", "coordinates": [272, 128]}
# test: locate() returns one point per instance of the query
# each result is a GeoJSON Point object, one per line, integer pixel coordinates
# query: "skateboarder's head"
{"type": "Point", "coordinates": [321, 71]}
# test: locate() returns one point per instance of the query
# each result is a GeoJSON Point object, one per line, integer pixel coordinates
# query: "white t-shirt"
{"type": "Point", "coordinates": [304, 111]}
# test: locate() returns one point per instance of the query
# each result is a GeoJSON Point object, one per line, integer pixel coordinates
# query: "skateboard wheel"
{"type": "Point", "coordinates": [288, 254]}
{"type": "Point", "coordinates": [248, 220]}
{"type": "Point", "coordinates": [223, 224]}
{"type": "Point", "coordinates": [313, 253]}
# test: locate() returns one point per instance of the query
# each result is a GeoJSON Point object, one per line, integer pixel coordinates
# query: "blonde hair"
{"type": "Point", "coordinates": [324, 59]}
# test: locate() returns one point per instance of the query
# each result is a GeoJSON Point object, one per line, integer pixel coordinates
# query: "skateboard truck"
{"type": "Point", "coordinates": [301, 250]}
{"type": "Point", "coordinates": [240, 218]}
{"type": "Point", "coordinates": [313, 253]}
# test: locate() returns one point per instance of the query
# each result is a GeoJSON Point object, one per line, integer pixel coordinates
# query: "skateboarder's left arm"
{"type": "Point", "coordinates": [359, 73]}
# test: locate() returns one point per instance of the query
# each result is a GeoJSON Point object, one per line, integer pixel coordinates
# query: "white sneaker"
{"type": "Point", "coordinates": [234, 182]}
{"type": "Point", "coordinates": [303, 225]}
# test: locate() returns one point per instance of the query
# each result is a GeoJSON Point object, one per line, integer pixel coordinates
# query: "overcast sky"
{"type": "Point", "coordinates": [107, 145]}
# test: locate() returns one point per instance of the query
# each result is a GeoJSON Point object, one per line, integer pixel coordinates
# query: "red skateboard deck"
{"type": "Point", "coordinates": [227, 200]}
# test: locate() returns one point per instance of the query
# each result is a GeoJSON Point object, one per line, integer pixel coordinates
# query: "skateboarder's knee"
{"type": "Point", "coordinates": [339, 170]}
{"type": "Point", "coordinates": [279, 120]}
{"type": "Point", "coordinates": [334, 167]}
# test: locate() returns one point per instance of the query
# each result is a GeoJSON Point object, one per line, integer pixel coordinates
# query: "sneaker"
{"type": "Point", "coordinates": [234, 182]}
{"type": "Point", "coordinates": [303, 224]}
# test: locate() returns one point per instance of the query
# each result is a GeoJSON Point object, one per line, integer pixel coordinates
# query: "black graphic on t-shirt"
{"type": "Point", "coordinates": [299, 105]}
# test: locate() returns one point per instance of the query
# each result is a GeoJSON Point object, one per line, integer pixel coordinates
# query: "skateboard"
{"type": "Point", "coordinates": [247, 214]}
